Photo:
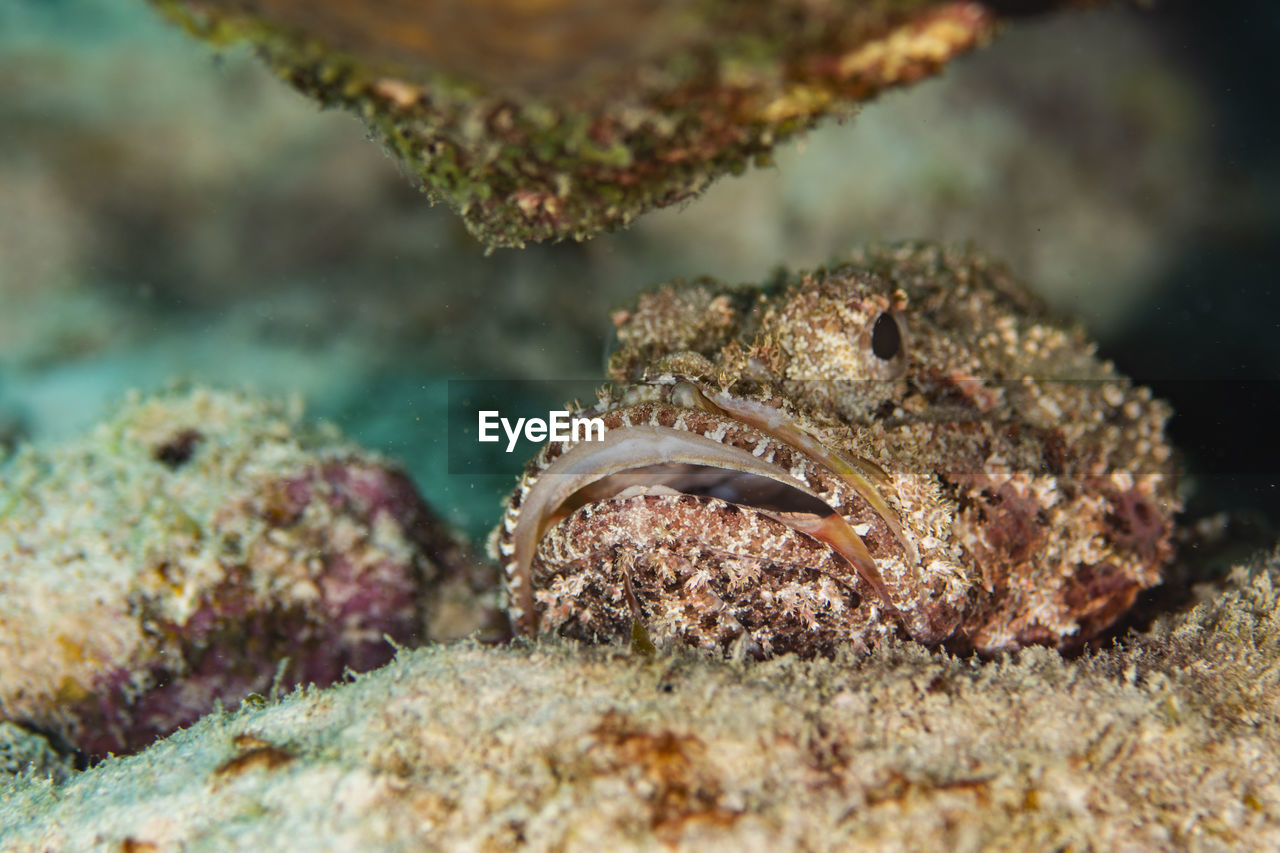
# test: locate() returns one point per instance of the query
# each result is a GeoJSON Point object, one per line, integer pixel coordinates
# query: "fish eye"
{"type": "Point", "coordinates": [886, 337]}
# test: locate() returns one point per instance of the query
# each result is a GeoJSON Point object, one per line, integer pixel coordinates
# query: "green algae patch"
{"type": "Point", "coordinates": [558, 120]}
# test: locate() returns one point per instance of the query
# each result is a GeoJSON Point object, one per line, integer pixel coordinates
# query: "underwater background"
{"type": "Point", "coordinates": [169, 214]}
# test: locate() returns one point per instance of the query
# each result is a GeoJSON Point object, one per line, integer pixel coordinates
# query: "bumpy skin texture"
{"type": "Point", "coordinates": [1032, 483]}
{"type": "Point", "coordinates": [547, 121]}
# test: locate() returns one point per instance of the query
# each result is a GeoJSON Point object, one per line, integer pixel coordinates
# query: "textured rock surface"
{"type": "Point", "coordinates": [1168, 743]}
{"type": "Point", "coordinates": [199, 546]}
{"type": "Point", "coordinates": [24, 752]}
{"type": "Point", "coordinates": [549, 121]}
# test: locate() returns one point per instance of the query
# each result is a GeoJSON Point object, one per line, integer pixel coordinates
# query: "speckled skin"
{"type": "Point", "coordinates": [1032, 483]}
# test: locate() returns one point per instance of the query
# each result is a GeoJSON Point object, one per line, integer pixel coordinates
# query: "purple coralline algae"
{"type": "Point", "coordinates": [201, 547]}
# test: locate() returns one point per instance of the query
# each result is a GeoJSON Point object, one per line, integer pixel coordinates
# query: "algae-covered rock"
{"type": "Point", "coordinates": [1170, 742]}
{"type": "Point", "coordinates": [23, 751]}
{"type": "Point", "coordinates": [202, 546]}
{"type": "Point", "coordinates": [558, 120]}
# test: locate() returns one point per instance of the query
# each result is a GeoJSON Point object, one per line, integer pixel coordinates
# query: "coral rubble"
{"type": "Point", "coordinates": [1167, 743]}
{"type": "Point", "coordinates": [202, 546]}
{"type": "Point", "coordinates": [552, 121]}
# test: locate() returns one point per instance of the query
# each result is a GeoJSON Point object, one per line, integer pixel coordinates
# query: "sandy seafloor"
{"type": "Point", "coordinates": [167, 215]}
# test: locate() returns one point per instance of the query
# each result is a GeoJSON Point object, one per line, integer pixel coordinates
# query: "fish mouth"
{"type": "Point", "coordinates": [862, 475]}
{"type": "Point", "coordinates": [701, 481]}
{"type": "Point", "coordinates": [706, 446]}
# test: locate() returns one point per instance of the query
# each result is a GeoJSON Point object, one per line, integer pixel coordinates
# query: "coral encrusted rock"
{"type": "Point", "coordinates": [202, 546]}
{"type": "Point", "coordinates": [558, 120]}
{"type": "Point", "coordinates": [25, 752]}
{"type": "Point", "coordinates": [1171, 742]}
